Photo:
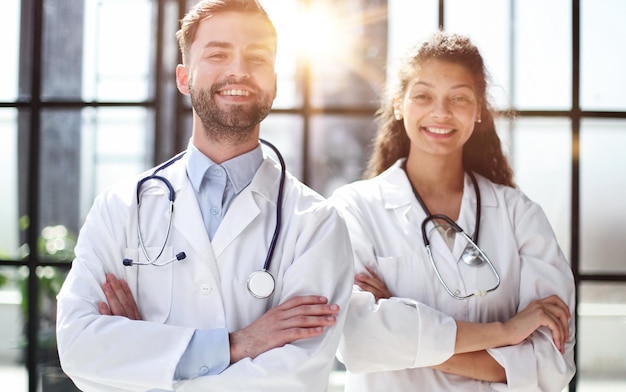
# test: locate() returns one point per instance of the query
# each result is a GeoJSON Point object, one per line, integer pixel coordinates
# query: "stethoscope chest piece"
{"type": "Point", "coordinates": [261, 284]}
{"type": "Point", "coordinates": [471, 255]}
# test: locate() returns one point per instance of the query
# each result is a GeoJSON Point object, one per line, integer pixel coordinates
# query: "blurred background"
{"type": "Point", "coordinates": [88, 98]}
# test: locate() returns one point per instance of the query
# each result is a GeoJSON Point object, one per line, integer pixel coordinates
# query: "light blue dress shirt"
{"type": "Point", "coordinates": [216, 186]}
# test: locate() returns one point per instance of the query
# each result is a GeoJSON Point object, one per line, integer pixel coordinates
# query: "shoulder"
{"type": "Point", "coordinates": [512, 201]}
{"type": "Point", "coordinates": [389, 187]}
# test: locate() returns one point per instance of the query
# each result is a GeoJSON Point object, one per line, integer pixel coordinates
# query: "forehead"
{"type": "Point", "coordinates": [440, 72]}
{"type": "Point", "coordinates": [236, 29]}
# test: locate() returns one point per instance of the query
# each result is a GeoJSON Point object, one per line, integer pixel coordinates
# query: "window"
{"type": "Point", "coordinates": [88, 97]}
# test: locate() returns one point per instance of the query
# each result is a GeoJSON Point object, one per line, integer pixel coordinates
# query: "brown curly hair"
{"type": "Point", "coordinates": [482, 153]}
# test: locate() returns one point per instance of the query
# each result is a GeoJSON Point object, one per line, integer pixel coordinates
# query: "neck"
{"type": "Point", "coordinates": [438, 182]}
{"type": "Point", "coordinates": [432, 176]}
{"type": "Point", "coordinates": [222, 148]}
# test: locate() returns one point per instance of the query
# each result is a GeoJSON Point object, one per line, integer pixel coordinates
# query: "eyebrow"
{"type": "Point", "coordinates": [217, 44]}
{"type": "Point", "coordinates": [456, 86]}
{"type": "Point", "coordinates": [228, 45]}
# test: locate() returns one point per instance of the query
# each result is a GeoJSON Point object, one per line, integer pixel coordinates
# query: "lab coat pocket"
{"type": "Point", "coordinates": [404, 275]}
{"type": "Point", "coordinates": [152, 284]}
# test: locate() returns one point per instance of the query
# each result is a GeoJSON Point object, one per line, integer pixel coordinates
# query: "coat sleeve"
{"type": "Point", "coordinates": [96, 351]}
{"type": "Point", "coordinates": [391, 334]}
{"type": "Point", "coordinates": [321, 264]}
{"type": "Point", "coordinates": [536, 364]}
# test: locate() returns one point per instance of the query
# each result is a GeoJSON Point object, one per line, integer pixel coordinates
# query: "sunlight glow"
{"type": "Point", "coordinates": [319, 34]}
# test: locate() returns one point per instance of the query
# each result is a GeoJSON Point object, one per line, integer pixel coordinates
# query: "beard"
{"type": "Point", "coordinates": [234, 122]}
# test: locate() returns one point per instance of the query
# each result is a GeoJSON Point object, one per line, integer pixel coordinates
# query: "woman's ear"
{"type": "Point", "coordinates": [397, 112]}
{"type": "Point", "coordinates": [182, 79]}
{"type": "Point", "coordinates": [479, 113]}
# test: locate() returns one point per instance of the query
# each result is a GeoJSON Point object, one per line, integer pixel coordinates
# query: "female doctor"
{"type": "Point", "coordinates": [434, 309]}
{"type": "Point", "coordinates": [204, 310]}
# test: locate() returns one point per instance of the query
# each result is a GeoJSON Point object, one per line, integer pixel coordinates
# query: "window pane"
{"type": "Point", "coordinates": [602, 58]}
{"type": "Point", "coordinates": [12, 326]}
{"type": "Point", "coordinates": [601, 350]}
{"type": "Point", "coordinates": [543, 55]}
{"type": "Point", "coordinates": [9, 47]}
{"type": "Point", "coordinates": [487, 23]}
{"type": "Point", "coordinates": [62, 55]}
{"type": "Point", "coordinates": [340, 148]}
{"type": "Point", "coordinates": [285, 133]}
{"type": "Point", "coordinates": [541, 158]}
{"type": "Point", "coordinates": [59, 168]}
{"type": "Point", "coordinates": [117, 65]}
{"type": "Point", "coordinates": [117, 144]}
{"type": "Point", "coordinates": [347, 52]}
{"type": "Point", "coordinates": [602, 195]}
{"type": "Point", "coordinates": [9, 211]}
{"type": "Point", "coordinates": [50, 375]}
{"type": "Point", "coordinates": [409, 23]}
{"type": "Point", "coordinates": [284, 16]}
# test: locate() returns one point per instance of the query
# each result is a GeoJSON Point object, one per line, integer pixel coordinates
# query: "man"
{"type": "Point", "coordinates": [160, 301]}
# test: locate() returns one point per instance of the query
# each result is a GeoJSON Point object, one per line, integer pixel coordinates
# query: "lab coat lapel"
{"type": "Point", "coordinates": [467, 214]}
{"type": "Point", "coordinates": [187, 218]}
{"type": "Point", "coordinates": [397, 195]}
{"type": "Point", "coordinates": [244, 208]}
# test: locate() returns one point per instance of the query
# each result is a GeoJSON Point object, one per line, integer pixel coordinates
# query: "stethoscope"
{"type": "Point", "coordinates": [472, 255]}
{"type": "Point", "coordinates": [261, 283]}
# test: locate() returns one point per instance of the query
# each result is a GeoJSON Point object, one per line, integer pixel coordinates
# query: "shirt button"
{"type": "Point", "coordinates": [216, 171]}
{"type": "Point", "coordinates": [204, 370]}
{"type": "Point", "coordinates": [215, 210]}
{"type": "Point", "coordinates": [206, 289]}
{"type": "Point", "coordinates": [457, 292]}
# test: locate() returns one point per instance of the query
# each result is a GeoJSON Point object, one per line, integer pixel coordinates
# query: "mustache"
{"type": "Point", "coordinates": [232, 80]}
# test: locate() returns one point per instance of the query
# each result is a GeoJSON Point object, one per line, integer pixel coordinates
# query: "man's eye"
{"type": "Point", "coordinates": [258, 59]}
{"type": "Point", "coordinates": [217, 56]}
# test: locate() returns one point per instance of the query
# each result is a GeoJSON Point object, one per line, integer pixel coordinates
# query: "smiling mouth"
{"type": "Point", "coordinates": [439, 131]}
{"type": "Point", "coordinates": [235, 93]}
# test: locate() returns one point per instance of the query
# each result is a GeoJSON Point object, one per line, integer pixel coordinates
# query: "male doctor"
{"type": "Point", "coordinates": [158, 322]}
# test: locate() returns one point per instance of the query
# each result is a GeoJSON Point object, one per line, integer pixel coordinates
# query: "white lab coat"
{"type": "Point", "coordinates": [205, 290]}
{"type": "Point", "coordinates": [388, 346]}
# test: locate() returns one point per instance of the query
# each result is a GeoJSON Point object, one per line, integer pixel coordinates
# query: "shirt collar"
{"type": "Point", "coordinates": [240, 169]}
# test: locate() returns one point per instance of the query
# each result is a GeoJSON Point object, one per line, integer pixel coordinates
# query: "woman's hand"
{"type": "Point", "coordinates": [549, 312]}
{"type": "Point", "coordinates": [372, 283]}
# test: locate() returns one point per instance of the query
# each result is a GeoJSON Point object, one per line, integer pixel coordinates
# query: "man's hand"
{"type": "Point", "coordinates": [372, 283]}
{"type": "Point", "coordinates": [120, 301]}
{"type": "Point", "coordinates": [298, 318]}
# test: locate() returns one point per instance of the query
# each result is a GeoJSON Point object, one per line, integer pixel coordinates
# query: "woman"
{"type": "Point", "coordinates": [424, 319]}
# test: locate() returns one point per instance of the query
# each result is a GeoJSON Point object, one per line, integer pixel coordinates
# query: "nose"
{"type": "Point", "coordinates": [441, 110]}
{"type": "Point", "coordinates": [239, 67]}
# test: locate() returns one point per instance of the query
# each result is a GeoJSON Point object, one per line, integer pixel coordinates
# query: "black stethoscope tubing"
{"type": "Point", "coordinates": [261, 283]}
{"type": "Point", "coordinates": [430, 216]}
{"type": "Point", "coordinates": [473, 241]}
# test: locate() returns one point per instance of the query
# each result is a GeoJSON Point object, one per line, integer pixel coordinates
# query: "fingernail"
{"type": "Point", "coordinates": [334, 307]}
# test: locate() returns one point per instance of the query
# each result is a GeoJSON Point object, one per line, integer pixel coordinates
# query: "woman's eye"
{"type": "Point", "coordinates": [461, 99]}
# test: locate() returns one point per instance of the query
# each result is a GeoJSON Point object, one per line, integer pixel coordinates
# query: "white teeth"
{"type": "Point", "coordinates": [241, 93]}
{"type": "Point", "coordinates": [439, 131]}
